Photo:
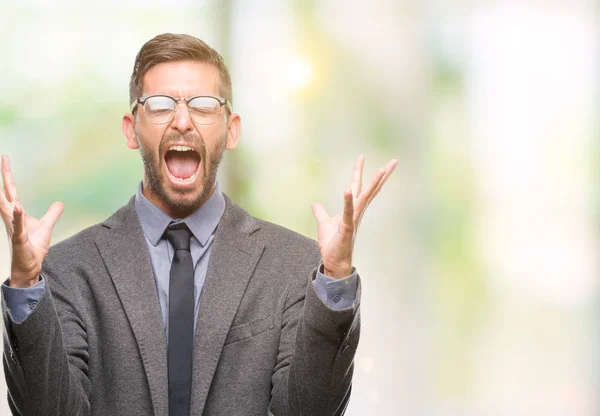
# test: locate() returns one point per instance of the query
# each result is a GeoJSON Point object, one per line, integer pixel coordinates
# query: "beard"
{"type": "Point", "coordinates": [158, 183]}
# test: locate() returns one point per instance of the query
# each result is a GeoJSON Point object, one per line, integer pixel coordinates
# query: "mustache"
{"type": "Point", "coordinates": [190, 139]}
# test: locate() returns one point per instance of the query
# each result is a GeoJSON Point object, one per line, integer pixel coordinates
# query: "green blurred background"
{"type": "Point", "coordinates": [479, 257]}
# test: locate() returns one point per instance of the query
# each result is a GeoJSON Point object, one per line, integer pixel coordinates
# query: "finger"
{"type": "Point", "coordinates": [372, 186]}
{"type": "Point", "coordinates": [5, 206]}
{"type": "Point", "coordinates": [320, 212]}
{"type": "Point", "coordinates": [356, 183]}
{"type": "Point", "coordinates": [3, 196]}
{"type": "Point", "coordinates": [18, 223]}
{"type": "Point", "coordinates": [9, 183]}
{"type": "Point", "coordinates": [367, 195]}
{"type": "Point", "coordinates": [391, 165]}
{"type": "Point", "coordinates": [6, 210]}
{"type": "Point", "coordinates": [348, 218]}
{"type": "Point", "coordinates": [376, 184]}
{"type": "Point", "coordinates": [53, 214]}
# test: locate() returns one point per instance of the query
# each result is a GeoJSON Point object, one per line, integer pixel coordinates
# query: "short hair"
{"type": "Point", "coordinates": [170, 47]}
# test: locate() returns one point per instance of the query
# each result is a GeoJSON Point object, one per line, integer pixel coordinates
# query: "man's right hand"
{"type": "Point", "coordinates": [29, 237]}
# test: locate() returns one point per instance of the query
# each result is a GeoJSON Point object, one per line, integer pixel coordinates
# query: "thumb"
{"type": "Point", "coordinates": [53, 214]}
{"type": "Point", "coordinates": [320, 212]}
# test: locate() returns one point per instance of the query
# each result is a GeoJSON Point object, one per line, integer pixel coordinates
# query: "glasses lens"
{"type": "Point", "coordinates": [159, 109]}
{"type": "Point", "coordinates": [205, 110]}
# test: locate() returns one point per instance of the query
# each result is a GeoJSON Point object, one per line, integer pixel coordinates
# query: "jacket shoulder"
{"type": "Point", "coordinates": [82, 244]}
{"type": "Point", "coordinates": [275, 237]}
{"type": "Point", "coordinates": [284, 238]}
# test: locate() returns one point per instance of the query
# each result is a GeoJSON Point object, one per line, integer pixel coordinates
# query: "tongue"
{"type": "Point", "coordinates": [182, 165]}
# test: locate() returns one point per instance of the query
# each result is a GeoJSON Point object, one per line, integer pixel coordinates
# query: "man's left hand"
{"type": "Point", "coordinates": [336, 234]}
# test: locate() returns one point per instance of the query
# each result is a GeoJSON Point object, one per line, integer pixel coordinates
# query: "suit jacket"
{"type": "Point", "coordinates": [95, 343]}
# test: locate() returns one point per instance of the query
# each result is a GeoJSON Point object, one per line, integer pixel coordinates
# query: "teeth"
{"type": "Point", "coordinates": [181, 148]}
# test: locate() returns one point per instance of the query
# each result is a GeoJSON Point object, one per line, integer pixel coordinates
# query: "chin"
{"type": "Point", "coordinates": [184, 201]}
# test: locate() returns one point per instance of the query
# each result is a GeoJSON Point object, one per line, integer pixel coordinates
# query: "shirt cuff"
{"type": "Point", "coordinates": [22, 301]}
{"type": "Point", "coordinates": [336, 294]}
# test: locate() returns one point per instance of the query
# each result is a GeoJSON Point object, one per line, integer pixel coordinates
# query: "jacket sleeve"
{"type": "Point", "coordinates": [313, 374]}
{"type": "Point", "coordinates": [46, 356]}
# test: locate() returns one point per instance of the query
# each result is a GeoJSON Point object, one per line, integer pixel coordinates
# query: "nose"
{"type": "Point", "coordinates": [182, 121]}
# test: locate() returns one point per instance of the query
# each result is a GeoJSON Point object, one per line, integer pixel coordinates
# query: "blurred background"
{"type": "Point", "coordinates": [479, 257]}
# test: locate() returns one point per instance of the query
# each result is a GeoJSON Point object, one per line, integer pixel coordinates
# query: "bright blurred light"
{"type": "Point", "coordinates": [299, 72]}
{"type": "Point", "coordinates": [367, 364]}
{"type": "Point", "coordinates": [529, 115]}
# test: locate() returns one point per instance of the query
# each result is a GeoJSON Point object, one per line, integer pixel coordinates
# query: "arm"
{"type": "Point", "coordinates": [45, 357]}
{"type": "Point", "coordinates": [313, 375]}
{"type": "Point", "coordinates": [314, 368]}
{"type": "Point", "coordinates": [45, 354]}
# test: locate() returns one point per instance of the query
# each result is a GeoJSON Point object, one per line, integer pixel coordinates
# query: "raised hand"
{"type": "Point", "coordinates": [29, 237]}
{"type": "Point", "coordinates": [336, 234]}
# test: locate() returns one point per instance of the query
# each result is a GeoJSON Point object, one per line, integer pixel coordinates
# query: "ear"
{"type": "Point", "coordinates": [128, 127]}
{"type": "Point", "coordinates": [234, 128]}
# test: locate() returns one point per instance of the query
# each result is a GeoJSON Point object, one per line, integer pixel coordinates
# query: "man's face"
{"type": "Point", "coordinates": [176, 179]}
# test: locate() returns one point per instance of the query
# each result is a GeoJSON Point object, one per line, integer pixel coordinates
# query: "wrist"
{"type": "Point", "coordinates": [337, 273]}
{"type": "Point", "coordinates": [23, 282]}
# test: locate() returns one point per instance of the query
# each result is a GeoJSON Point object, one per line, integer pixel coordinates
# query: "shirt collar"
{"type": "Point", "coordinates": [202, 222]}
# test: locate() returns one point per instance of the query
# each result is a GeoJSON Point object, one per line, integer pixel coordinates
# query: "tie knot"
{"type": "Point", "coordinates": [179, 236]}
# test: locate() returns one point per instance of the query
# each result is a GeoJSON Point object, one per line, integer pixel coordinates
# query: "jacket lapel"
{"type": "Point", "coordinates": [125, 254]}
{"type": "Point", "coordinates": [233, 257]}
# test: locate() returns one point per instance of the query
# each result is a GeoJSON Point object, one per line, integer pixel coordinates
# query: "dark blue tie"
{"type": "Point", "coordinates": [181, 320]}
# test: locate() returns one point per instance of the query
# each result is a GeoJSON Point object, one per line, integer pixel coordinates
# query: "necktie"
{"type": "Point", "coordinates": [181, 320]}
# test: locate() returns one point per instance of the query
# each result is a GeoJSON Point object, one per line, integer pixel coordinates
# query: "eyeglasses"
{"type": "Point", "coordinates": [161, 109]}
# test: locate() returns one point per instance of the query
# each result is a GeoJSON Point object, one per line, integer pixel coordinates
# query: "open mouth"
{"type": "Point", "coordinates": [183, 164]}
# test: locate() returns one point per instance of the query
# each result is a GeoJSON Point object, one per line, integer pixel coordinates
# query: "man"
{"type": "Point", "coordinates": [181, 303]}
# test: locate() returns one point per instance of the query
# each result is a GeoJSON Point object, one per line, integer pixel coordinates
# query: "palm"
{"type": "Point", "coordinates": [329, 237]}
{"type": "Point", "coordinates": [30, 237]}
{"type": "Point", "coordinates": [336, 234]}
{"type": "Point", "coordinates": [39, 234]}
{"type": "Point", "coordinates": [35, 247]}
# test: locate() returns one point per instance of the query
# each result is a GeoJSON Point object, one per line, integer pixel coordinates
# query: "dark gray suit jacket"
{"type": "Point", "coordinates": [95, 342]}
